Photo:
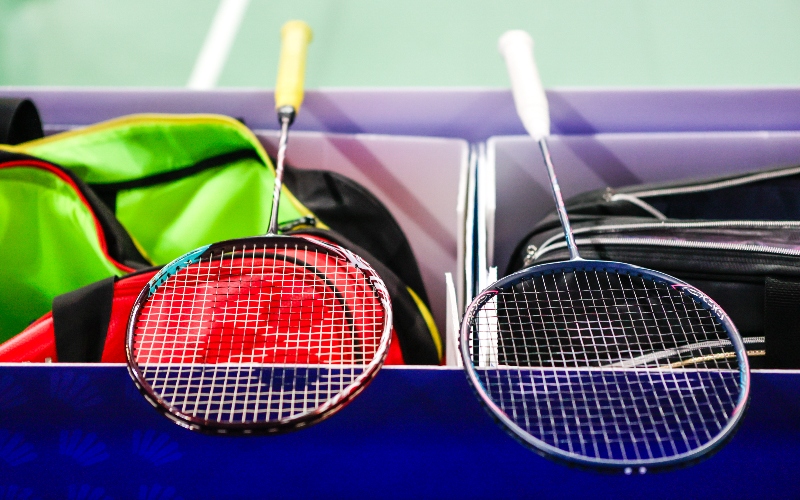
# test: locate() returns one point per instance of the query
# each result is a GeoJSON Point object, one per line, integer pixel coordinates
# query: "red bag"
{"type": "Point", "coordinates": [89, 325]}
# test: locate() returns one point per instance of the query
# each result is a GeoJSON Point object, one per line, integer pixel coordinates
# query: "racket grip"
{"type": "Point", "coordinates": [295, 37]}
{"type": "Point", "coordinates": [516, 47]}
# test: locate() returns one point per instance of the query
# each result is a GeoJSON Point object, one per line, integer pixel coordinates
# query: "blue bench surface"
{"type": "Point", "coordinates": [81, 432]}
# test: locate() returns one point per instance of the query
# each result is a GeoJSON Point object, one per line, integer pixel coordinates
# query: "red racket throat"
{"type": "Point", "coordinates": [259, 335]}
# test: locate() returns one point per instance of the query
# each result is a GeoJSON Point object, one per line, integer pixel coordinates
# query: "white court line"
{"type": "Point", "coordinates": [219, 40]}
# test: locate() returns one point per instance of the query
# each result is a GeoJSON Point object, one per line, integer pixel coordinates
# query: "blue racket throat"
{"type": "Point", "coordinates": [173, 267]}
{"type": "Point", "coordinates": [606, 366]}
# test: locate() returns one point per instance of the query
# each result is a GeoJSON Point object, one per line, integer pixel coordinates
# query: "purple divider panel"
{"type": "Point", "coordinates": [470, 113]}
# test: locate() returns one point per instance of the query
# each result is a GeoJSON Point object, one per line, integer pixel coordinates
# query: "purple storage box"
{"type": "Point", "coordinates": [83, 432]}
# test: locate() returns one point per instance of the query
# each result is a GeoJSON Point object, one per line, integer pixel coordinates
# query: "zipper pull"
{"type": "Point", "coordinates": [306, 221]}
{"type": "Point", "coordinates": [608, 196]}
{"type": "Point", "coordinates": [530, 255]}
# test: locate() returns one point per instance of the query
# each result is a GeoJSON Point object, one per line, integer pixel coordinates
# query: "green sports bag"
{"type": "Point", "coordinates": [55, 236]}
{"type": "Point", "coordinates": [177, 182]}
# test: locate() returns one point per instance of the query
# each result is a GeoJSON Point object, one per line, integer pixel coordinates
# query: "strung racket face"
{"type": "Point", "coordinates": [606, 365]}
{"type": "Point", "coordinates": [264, 334]}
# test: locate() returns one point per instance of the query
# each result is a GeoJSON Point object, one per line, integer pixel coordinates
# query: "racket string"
{"type": "Point", "coordinates": [224, 338]}
{"type": "Point", "coordinates": [585, 360]}
{"type": "Point", "coordinates": [542, 324]}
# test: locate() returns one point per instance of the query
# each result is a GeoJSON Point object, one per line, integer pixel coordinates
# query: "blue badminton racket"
{"type": "Point", "coordinates": [599, 364]}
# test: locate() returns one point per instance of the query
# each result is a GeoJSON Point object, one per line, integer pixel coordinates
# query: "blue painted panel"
{"type": "Point", "coordinates": [86, 433]}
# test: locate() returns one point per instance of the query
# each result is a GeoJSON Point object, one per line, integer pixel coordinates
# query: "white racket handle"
{"type": "Point", "coordinates": [516, 46]}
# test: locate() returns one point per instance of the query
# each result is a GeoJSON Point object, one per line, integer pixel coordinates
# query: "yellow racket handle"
{"type": "Point", "coordinates": [295, 37]}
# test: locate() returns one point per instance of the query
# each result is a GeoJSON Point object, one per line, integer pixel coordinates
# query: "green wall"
{"type": "Point", "coordinates": [407, 42]}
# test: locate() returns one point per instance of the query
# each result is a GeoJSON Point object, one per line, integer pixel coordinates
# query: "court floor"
{"type": "Point", "coordinates": [368, 43]}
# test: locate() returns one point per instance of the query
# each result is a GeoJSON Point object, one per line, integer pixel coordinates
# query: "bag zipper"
{"type": "Point", "coordinates": [555, 242]}
{"type": "Point", "coordinates": [710, 186]}
{"type": "Point", "coordinates": [31, 147]}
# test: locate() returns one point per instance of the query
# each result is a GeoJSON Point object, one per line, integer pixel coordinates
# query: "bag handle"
{"type": "Point", "coordinates": [19, 121]}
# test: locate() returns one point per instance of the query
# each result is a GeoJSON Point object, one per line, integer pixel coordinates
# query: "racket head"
{"type": "Point", "coordinates": [258, 335]}
{"type": "Point", "coordinates": [606, 365]}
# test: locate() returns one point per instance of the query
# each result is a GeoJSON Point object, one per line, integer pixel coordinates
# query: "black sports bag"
{"type": "Point", "coordinates": [737, 238]}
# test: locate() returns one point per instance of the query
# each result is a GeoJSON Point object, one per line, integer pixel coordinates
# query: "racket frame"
{"type": "Point", "coordinates": [294, 422]}
{"type": "Point", "coordinates": [573, 459]}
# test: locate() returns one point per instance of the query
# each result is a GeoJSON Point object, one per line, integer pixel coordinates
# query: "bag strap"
{"type": "Point", "coordinates": [80, 322]}
{"type": "Point", "coordinates": [19, 121]}
{"type": "Point", "coordinates": [782, 323]}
